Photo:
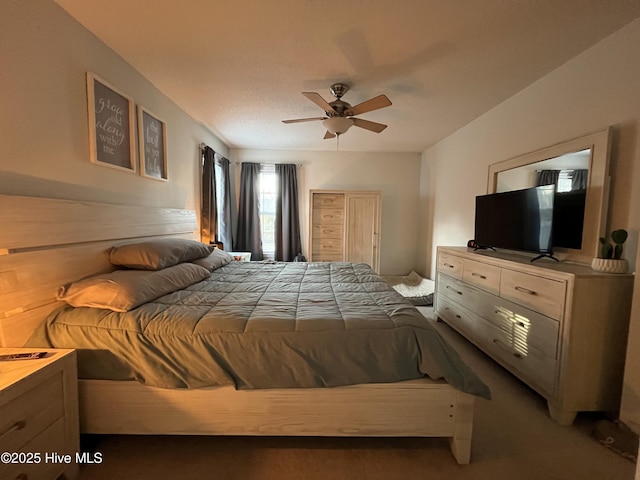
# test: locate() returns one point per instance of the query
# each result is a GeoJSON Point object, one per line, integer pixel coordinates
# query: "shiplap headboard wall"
{"type": "Point", "coordinates": [45, 243]}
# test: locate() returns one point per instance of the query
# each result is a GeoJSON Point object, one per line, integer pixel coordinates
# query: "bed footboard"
{"type": "Point", "coordinates": [415, 408]}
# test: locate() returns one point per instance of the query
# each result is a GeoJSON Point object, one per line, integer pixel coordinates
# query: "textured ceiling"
{"type": "Point", "coordinates": [239, 66]}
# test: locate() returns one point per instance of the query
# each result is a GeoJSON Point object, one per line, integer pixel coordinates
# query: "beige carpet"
{"type": "Point", "coordinates": [513, 439]}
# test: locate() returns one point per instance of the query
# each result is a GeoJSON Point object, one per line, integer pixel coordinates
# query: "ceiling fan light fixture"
{"type": "Point", "coordinates": [338, 125]}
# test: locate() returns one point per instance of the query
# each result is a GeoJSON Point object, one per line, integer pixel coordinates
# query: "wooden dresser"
{"type": "Point", "coordinates": [345, 226]}
{"type": "Point", "coordinates": [559, 327]}
{"type": "Point", "coordinates": [39, 416]}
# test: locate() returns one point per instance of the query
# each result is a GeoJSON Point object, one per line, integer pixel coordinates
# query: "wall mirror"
{"type": "Point", "coordinates": [579, 168]}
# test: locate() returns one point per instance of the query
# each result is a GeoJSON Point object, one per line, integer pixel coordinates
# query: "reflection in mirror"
{"type": "Point", "coordinates": [567, 167]}
{"type": "Point", "coordinates": [569, 173]}
{"type": "Point", "coordinates": [580, 170]}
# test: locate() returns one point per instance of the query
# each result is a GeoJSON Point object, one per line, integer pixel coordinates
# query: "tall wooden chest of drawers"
{"type": "Point", "coordinates": [344, 226]}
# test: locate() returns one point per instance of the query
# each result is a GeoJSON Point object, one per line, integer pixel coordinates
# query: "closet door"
{"type": "Point", "coordinates": [362, 228]}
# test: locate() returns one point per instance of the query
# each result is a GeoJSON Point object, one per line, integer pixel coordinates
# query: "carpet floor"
{"type": "Point", "coordinates": [513, 438]}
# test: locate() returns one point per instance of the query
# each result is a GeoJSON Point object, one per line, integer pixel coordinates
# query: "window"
{"type": "Point", "coordinates": [267, 196]}
{"type": "Point", "coordinates": [565, 181]}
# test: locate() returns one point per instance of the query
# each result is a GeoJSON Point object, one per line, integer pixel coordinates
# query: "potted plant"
{"type": "Point", "coordinates": [610, 260]}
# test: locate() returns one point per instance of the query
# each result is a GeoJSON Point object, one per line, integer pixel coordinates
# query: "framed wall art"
{"type": "Point", "coordinates": [152, 139]}
{"type": "Point", "coordinates": [111, 125]}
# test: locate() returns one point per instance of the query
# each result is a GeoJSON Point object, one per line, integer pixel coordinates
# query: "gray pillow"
{"type": "Point", "coordinates": [124, 290]}
{"type": "Point", "coordinates": [158, 253]}
{"type": "Point", "coordinates": [216, 259]}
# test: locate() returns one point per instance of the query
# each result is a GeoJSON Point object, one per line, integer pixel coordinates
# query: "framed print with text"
{"type": "Point", "coordinates": [152, 139]}
{"type": "Point", "coordinates": [111, 125]}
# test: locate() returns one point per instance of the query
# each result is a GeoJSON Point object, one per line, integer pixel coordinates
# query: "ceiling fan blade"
{"type": "Point", "coordinates": [298, 120]}
{"type": "Point", "coordinates": [318, 100]}
{"type": "Point", "coordinates": [374, 103]}
{"type": "Point", "coordinates": [368, 125]}
{"type": "Point", "coordinates": [328, 135]}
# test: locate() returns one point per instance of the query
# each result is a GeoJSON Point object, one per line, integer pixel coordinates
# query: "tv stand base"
{"type": "Point", "coordinates": [543, 256]}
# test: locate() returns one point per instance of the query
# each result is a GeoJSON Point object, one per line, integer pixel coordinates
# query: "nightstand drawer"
{"type": "Point", "coordinates": [25, 416]}
{"type": "Point", "coordinates": [38, 468]}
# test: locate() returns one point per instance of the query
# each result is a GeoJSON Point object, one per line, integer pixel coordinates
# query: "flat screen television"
{"type": "Point", "coordinates": [517, 220]}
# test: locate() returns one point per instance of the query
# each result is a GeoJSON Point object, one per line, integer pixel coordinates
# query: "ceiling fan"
{"type": "Point", "coordinates": [340, 115]}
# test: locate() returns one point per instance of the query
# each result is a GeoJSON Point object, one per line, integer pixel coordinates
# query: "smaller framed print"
{"type": "Point", "coordinates": [111, 125]}
{"type": "Point", "coordinates": [152, 138]}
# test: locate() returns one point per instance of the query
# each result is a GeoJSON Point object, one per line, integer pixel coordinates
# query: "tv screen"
{"type": "Point", "coordinates": [516, 220]}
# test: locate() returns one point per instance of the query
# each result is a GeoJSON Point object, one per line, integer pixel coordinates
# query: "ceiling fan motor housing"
{"type": "Point", "coordinates": [339, 108]}
{"type": "Point", "coordinates": [338, 90]}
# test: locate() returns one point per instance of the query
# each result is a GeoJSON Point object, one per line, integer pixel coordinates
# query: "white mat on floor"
{"type": "Point", "coordinates": [412, 285]}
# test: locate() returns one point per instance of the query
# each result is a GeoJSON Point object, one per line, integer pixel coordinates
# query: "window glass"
{"type": "Point", "coordinates": [267, 195]}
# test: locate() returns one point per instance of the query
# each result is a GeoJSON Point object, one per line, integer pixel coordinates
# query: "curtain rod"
{"type": "Point", "coordinates": [269, 163]}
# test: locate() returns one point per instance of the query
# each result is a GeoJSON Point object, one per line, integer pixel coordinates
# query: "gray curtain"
{"type": "Point", "coordinates": [579, 179]}
{"type": "Point", "coordinates": [225, 229]}
{"type": "Point", "coordinates": [248, 235]}
{"type": "Point", "coordinates": [209, 211]}
{"type": "Point", "coordinates": [287, 227]}
{"type": "Point", "coordinates": [548, 177]}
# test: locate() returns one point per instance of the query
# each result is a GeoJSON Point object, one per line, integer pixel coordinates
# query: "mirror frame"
{"type": "Point", "coordinates": [597, 198]}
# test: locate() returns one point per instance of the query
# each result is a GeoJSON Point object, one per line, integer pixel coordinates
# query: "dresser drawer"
{"type": "Point", "coordinates": [25, 416]}
{"type": "Point", "coordinates": [501, 342]}
{"type": "Point", "coordinates": [531, 365]}
{"type": "Point", "coordinates": [454, 314]}
{"type": "Point", "coordinates": [328, 231]}
{"type": "Point", "coordinates": [526, 328]}
{"type": "Point", "coordinates": [328, 216]}
{"type": "Point", "coordinates": [541, 294]}
{"type": "Point", "coordinates": [482, 275]}
{"type": "Point", "coordinates": [462, 293]}
{"type": "Point", "coordinates": [327, 245]}
{"type": "Point", "coordinates": [450, 265]}
{"type": "Point", "coordinates": [328, 257]}
{"type": "Point", "coordinates": [328, 200]}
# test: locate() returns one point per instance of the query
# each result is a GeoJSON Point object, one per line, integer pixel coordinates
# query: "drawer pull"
{"type": "Point", "coordinates": [506, 347]}
{"type": "Point", "coordinates": [449, 265]}
{"type": "Point", "coordinates": [525, 290]}
{"type": "Point", "coordinates": [454, 290]}
{"type": "Point", "coordinates": [482, 277]}
{"type": "Point", "coordinates": [455, 314]}
{"type": "Point", "coordinates": [19, 425]}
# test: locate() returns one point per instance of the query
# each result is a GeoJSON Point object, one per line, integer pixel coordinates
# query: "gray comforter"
{"type": "Point", "coordinates": [264, 325]}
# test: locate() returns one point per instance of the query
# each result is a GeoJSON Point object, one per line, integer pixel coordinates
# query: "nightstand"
{"type": "Point", "coordinates": [39, 415]}
{"type": "Point", "coordinates": [241, 256]}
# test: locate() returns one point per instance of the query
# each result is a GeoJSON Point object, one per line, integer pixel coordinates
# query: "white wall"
{"type": "Point", "coordinates": [396, 175]}
{"type": "Point", "coordinates": [44, 147]}
{"type": "Point", "coordinates": [598, 88]}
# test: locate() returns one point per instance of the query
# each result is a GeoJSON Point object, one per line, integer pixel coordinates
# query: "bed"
{"type": "Point", "coordinates": [401, 402]}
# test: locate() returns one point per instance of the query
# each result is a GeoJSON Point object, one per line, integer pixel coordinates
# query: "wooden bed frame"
{"type": "Point", "coordinates": [45, 243]}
